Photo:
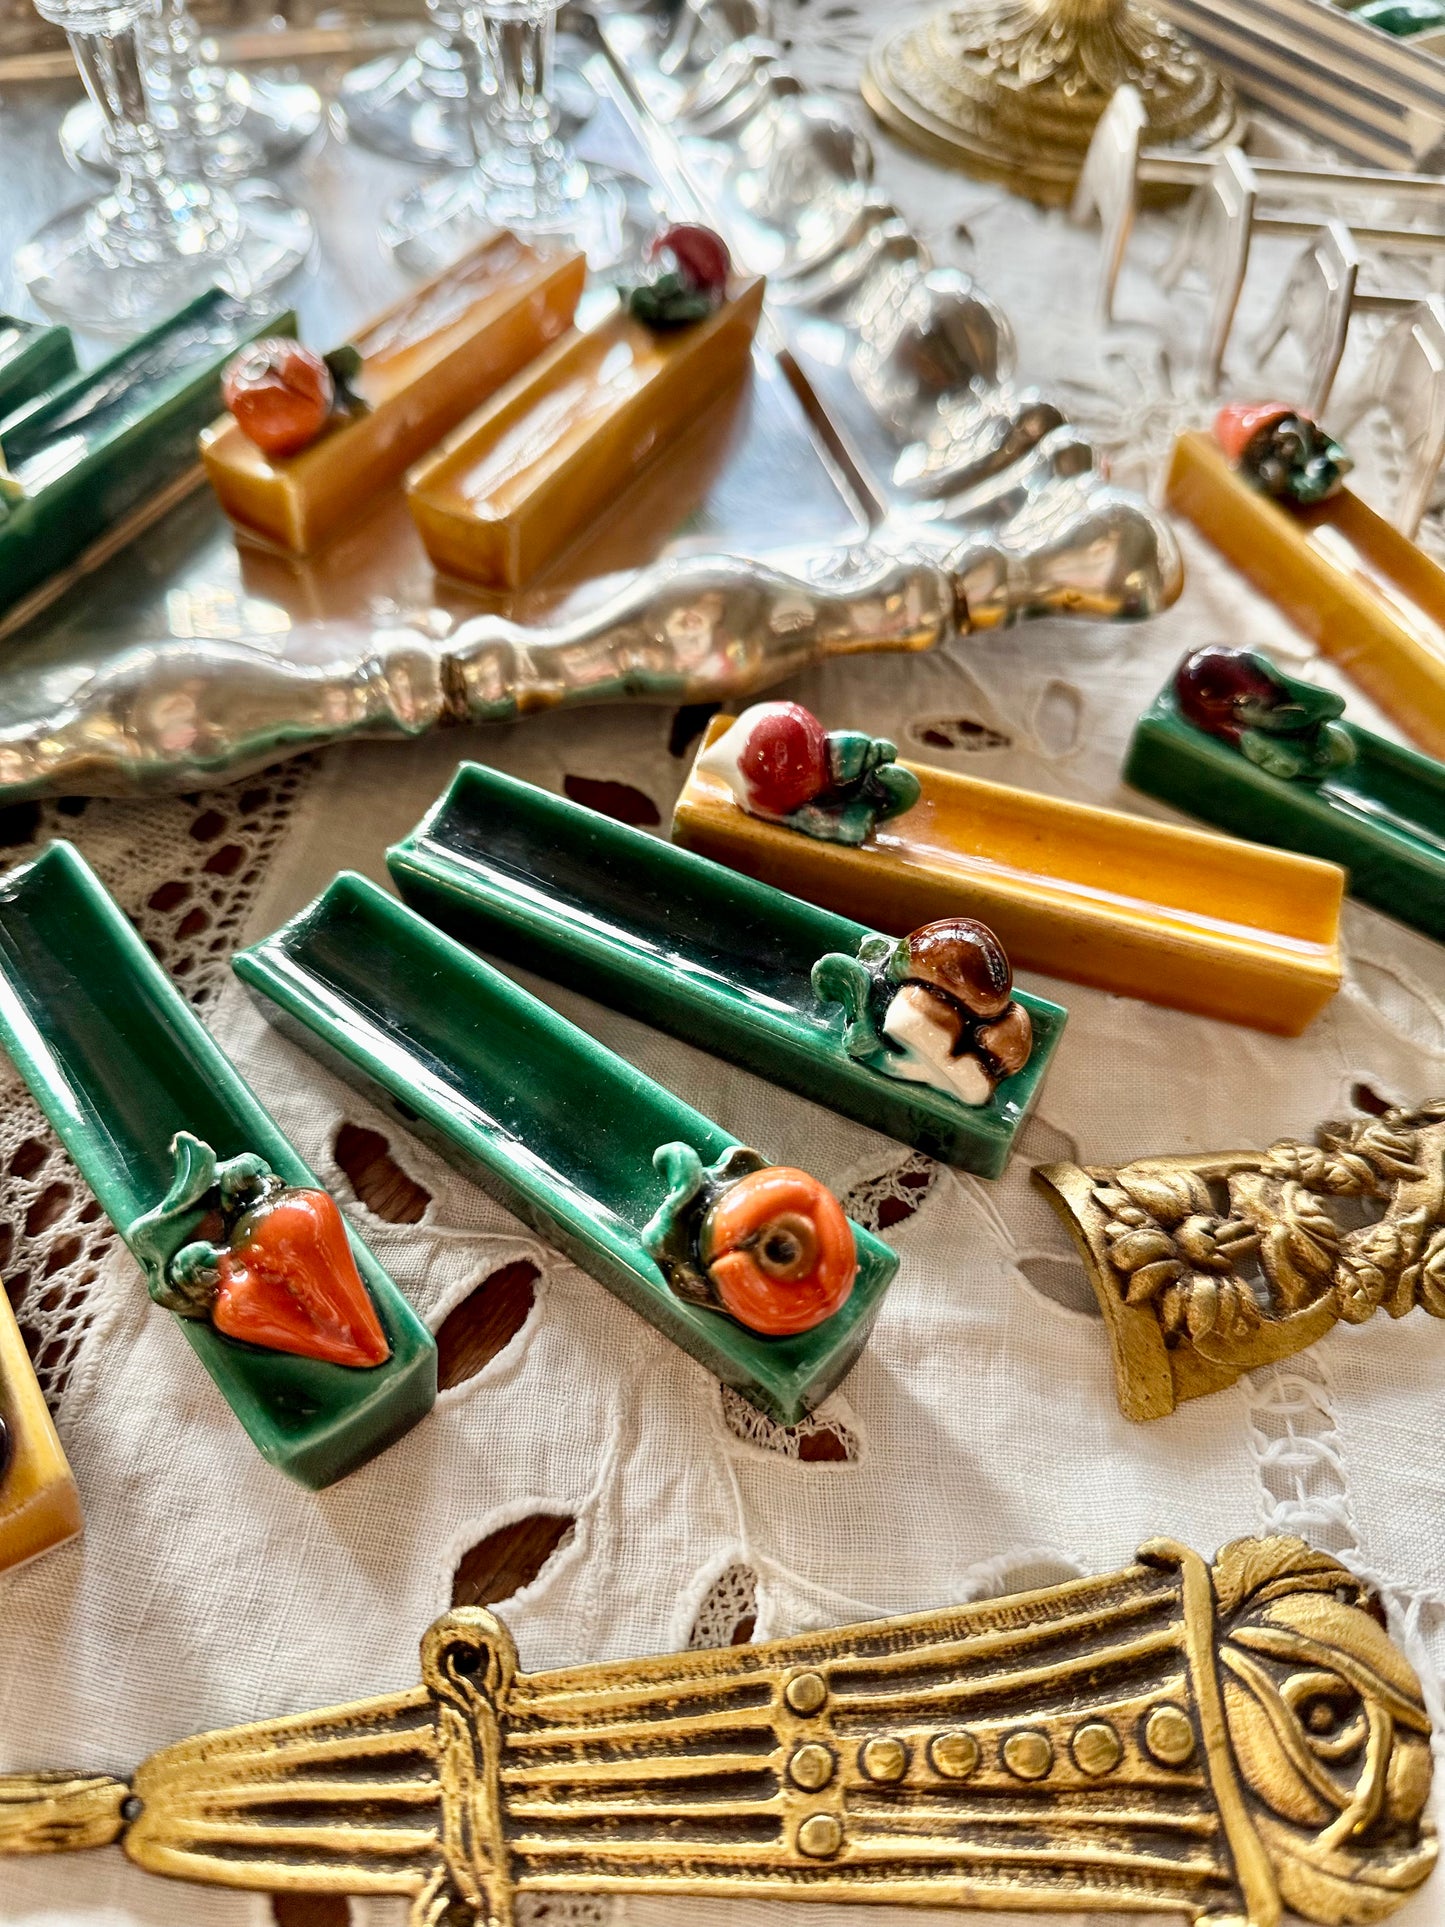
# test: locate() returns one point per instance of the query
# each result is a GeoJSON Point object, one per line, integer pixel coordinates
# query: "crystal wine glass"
{"type": "Point", "coordinates": [419, 106]}
{"type": "Point", "coordinates": [422, 105]}
{"type": "Point", "coordinates": [526, 177]}
{"type": "Point", "coordinates": [214, 120]}
{"type": "Point", "coordinates": [157, 238]}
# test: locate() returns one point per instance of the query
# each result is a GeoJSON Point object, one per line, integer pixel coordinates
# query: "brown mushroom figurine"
{"type": "Point", "coordinates": [936, 1007]}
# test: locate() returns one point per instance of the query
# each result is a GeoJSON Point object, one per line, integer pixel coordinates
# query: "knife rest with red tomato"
{"type": "Point", "coordinates": [309, 1341]}
{"type": "Point", "coordinates": [752, 1267]}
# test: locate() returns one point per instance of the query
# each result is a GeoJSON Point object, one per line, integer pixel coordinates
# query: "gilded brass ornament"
{"type": "Point", "coordinates": [1209, 1267]}
{"type": "Point", "coordinates": [1213, 1743]}
{"type": "Point", "coordinates": [1012, 90]}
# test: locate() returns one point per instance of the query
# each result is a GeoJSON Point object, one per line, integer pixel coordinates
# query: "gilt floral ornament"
{"type": "Point", "coordinates": [783, 766]}
{"type": "Point", "coordinates": [765, 1243]}
{"type": "Point", "coordinates": [1288, 729]}
{"type": "Point", "coordinates": [282, 1276]}
{"type": "Point", "coordinates": [1208, 1267]}
{"type": "Point", "coordinates": [936, 1007]}
{"type": "Point", "coordinates": [1281, 451]}
{"type": "Point", "coordinates": [1204, 1743]}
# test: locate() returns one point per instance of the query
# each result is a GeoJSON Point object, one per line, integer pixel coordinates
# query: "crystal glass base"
{"type": "Point", "coordinates": [263, 122]}
{"type": "Point", "coordinates": [415, 106]}
{"type": "Point", "coordinates": [247, 242]}
{"type": "Point", "coordinates": [583, 208]}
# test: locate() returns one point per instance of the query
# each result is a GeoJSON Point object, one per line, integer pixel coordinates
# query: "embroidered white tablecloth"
{"type": "Point", "coordinates": [982, 1445]}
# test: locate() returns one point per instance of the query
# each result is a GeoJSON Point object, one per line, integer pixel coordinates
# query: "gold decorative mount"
{"type": "Point", "coordinates": [1209, 1267]}
{"type": "Point", "coordinates": [1215, 1743]}
{"type": "Point", "coordinates": [1012, 90]}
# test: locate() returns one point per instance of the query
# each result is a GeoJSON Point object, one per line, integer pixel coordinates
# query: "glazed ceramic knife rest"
{"type": "Point", "coordinates": [416, 371]}
{"type": "Point", "coordinates": [32, 358]}
{"type": "Point", "coordinates": [1180, 1740]}
{"type": "Point", "coordinates": [688, 944]}
{"type": "Point", "coordinates": [1376, 808]}
{"type": "Point", "coordinates": [105, 451]}
{"type": "Point", "coordinates": [578, 1143]}
{"type": "Point", "coordinates": [1359, 589]}
{"type": "Point", "coordinates": [1175, 916]}
{"type": "Point", "coordinates": [168, 1137]}
{"type": "Point", "coordinates": [39, 1504]}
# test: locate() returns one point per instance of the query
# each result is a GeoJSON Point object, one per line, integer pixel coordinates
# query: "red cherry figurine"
{"type": "Point", "coordinates": [701, 256]}
{"type": "Point", "coordinates": [783, 757]}
{"type": "Point", "coordinates": [1224, 691]}
{"type": "Point", "coordinates": [281, 395]}
{"type": "Point", "coordinates": [779, 1249]}
{"type": "Point", "coordinates": [289, 1282]}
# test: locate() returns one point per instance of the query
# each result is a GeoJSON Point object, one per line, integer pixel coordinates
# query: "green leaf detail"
{"type": "Point", "coordinates": [345, 365]}
{"type": "Point", "coordinates": [180, 1275]}
{"type": "Point", "coordinates": [839, 979]}
{"type": "Point", "coordinates": [668, 302]}
{"type": "Point", "coordinates": [189, 1281]}
{"type": "Point", "coordinates": [669, 1236]}
{"type": "Point", "coordinates": [901, 789]}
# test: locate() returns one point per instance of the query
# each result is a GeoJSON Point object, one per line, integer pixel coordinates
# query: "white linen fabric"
{"type": "Point", "coordinates": [982, 1446]}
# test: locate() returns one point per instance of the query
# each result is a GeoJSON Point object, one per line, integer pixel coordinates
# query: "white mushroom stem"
{"type": "Point", "coordinates": [924, 1031]}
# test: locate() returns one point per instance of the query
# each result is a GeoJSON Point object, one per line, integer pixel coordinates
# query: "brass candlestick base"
{"type": "Point", "coordinates": [1011, 89]}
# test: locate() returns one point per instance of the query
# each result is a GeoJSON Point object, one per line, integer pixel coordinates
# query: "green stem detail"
{"type": "Point", "coordinates": [670, 1235]}
{"type": "Point", "coordinates": [182, 1276]}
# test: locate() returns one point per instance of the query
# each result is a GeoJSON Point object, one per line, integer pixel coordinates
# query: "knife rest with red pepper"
{"type": "Point", "coordinates": [308, 1340]}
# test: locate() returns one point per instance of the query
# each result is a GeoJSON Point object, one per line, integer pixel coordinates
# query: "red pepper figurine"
{"type": "Point", "coordinates": [282, 1276]}
{"type": "Point", "coordinates": [288, 1281]}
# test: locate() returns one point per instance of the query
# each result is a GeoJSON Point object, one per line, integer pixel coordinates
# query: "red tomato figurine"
{"type": "Point", "coordinates": [779, 1249]}
{"type": "Point", "coordinates": [1238, 422]}
{"type": "Point", "coordinates": [281, 395]}
{"type": "Point", "coordinates": [288, 1281]}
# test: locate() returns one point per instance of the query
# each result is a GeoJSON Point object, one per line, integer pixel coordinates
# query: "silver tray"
{"type": "Point", "coordinates": [881, 483]}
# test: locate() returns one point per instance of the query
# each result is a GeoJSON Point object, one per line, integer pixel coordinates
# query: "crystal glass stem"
{"type": "Point", "coordinates": [517, 39]}
{"type": "Point", "coordinates": [161, 235]}
{"type": "Point", "coordinates": [527, 178]}
{"type": "Point", "coordinates": [189, 94]}
{"type": "Point", "coordinates": [149, 214]}
{"type": "Point", "coordinates": [215, 122]}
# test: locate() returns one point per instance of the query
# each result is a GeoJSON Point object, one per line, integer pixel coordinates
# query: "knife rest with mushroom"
{"type": "Point", "coordinates": [1172, 915]}
{"type": "Point", "coordinates": [751, 1267]}
{"type": "Point", "coordinates": [1260, 754]}
{"type": "Point", "coordinates": [948, 1059]}
{"type": "Point", "coordinates": [39, 1503]}
{"type": "Point", "coordinates": [308, 1340]}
